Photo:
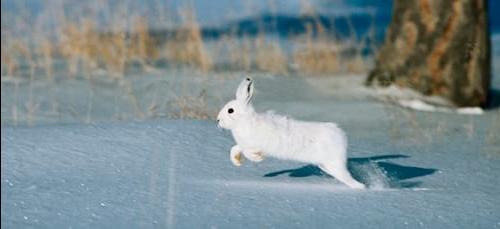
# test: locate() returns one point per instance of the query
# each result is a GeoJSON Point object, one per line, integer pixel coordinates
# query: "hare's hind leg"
{"type": "Point", "coordinates": [254, 155]}
{"type": "Point", "coordinates": [340, 172]}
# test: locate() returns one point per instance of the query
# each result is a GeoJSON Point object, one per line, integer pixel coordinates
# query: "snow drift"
{"type": "Point", "coordinates": [160, 174]}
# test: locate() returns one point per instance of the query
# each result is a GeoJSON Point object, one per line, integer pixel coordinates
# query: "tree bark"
{"type": "Point", "coordinates": [437, 47]}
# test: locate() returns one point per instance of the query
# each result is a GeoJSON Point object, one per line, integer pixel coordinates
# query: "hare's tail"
{"type": "Point", "coordinates": [340, 172]}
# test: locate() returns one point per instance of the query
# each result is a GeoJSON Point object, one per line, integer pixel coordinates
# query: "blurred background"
{"type": "Point", "coordinates": [68, 61]}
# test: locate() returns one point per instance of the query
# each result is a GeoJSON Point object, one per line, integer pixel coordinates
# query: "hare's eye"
{"type": "Point", "coordinates": [230, 110]}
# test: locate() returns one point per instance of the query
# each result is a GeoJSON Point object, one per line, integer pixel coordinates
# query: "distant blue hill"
{"type": "Point", "coordinates": [286, 26]}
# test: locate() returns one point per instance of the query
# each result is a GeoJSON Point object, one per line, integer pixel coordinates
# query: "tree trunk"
{"type": "Point", "coordinates": [437, 47]}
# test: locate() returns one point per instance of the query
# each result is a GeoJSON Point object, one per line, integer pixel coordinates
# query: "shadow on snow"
{"type": "Point", "coordinates": [365, 169]}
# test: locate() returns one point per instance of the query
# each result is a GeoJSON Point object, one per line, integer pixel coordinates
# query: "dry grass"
{"type": "Point", "coordinates": [324, 54]}
{"type": "Point", "coordinates": [142, 46]}
{"type": "Point", "coordinates": [317, 59]}
{"type": "Point", "coordinates": [9, 55]}
{"type": "Point", "coordinates": [269, 57]}
{"type": "Point", "coordinates": [193, 107]}
{"type": "Point", "coordinates": [86, 50]}
{"type": "Point", "coordinates": [46, 51]}
{"type": "Point", "coordinates": [188, 46]}
{"type": "Point", "coordinates": [240, 52]}
{"type": "Point", "coordinates": [319, 55]}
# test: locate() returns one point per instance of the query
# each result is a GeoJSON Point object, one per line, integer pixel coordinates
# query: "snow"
{"type": "Point", "coordinates": [470, 110]}
{"type": "Point", "coordinates": [177, 173]}
{"type": "Point", "coordinates": [424, 169]}
{"type": "Point", "coordinates": [414, 100]}
{"type": "Point", "coordinates": [419, 105]}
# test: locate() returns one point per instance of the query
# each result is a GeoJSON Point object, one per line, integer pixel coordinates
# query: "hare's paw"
{"type": "Point", "coordinates": [254, 156]}
{"type": "Point", "coordinates": [236, 155]}
{"type": "Point", "coordinates": [236, 159]}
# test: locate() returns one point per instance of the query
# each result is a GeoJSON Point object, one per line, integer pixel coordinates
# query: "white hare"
{"type": "Point", "coordinates": [258, 135]}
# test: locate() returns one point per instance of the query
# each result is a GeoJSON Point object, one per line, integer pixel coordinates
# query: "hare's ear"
{"type": "Point", "coordinates": [245, 90]}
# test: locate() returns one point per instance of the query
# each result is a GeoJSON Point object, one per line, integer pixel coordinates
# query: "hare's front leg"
{"type": "Point", "coordinates": [235, 155]}
{"type": "Point", "coordinates": [254, 155]}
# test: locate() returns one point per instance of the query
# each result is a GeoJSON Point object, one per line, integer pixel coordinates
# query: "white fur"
{"type": "Point", "coordinates": [268, 134]}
